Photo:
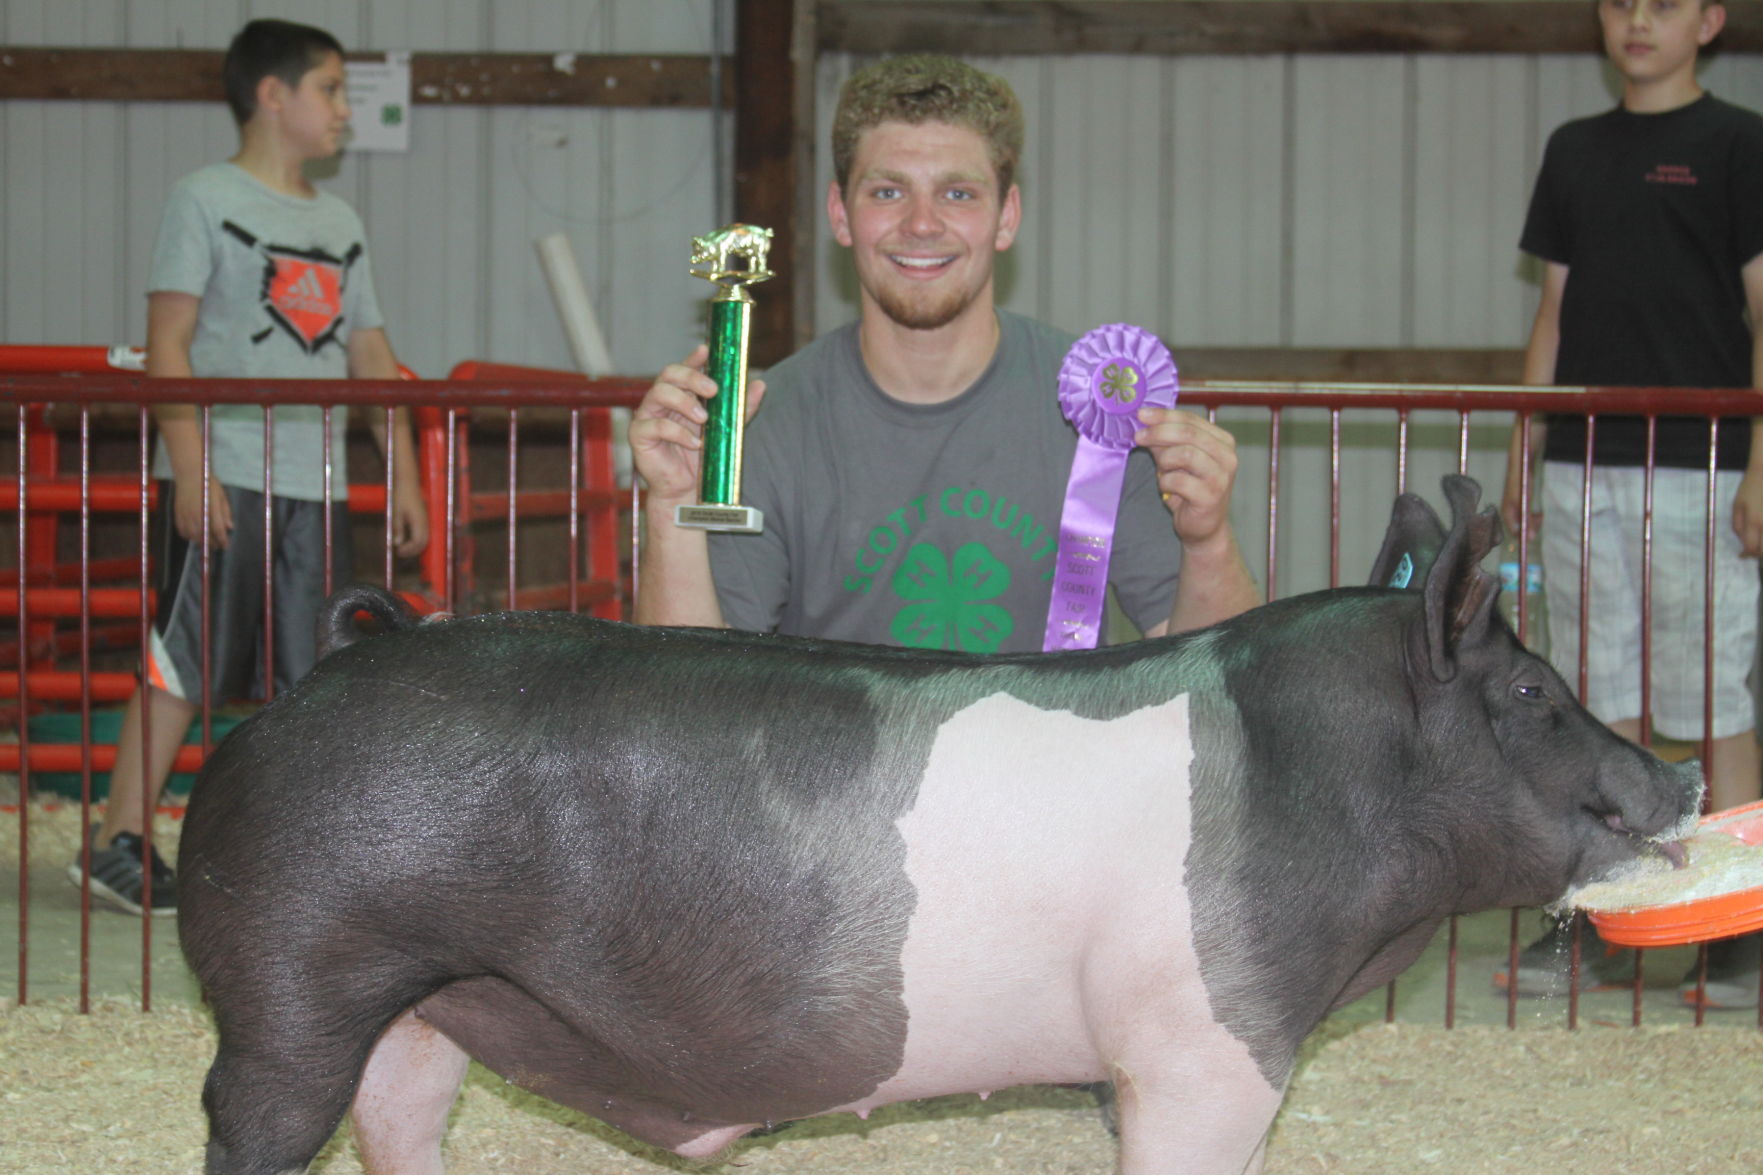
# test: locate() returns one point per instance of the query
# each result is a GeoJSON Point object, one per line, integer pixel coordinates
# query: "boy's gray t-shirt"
{"type": "Point", "coordinates": [282, 280]}
{"type": "Point", "coordinates": [927, 526]}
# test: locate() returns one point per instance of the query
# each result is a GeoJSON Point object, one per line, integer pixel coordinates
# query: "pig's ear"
{"type": "Point", "coordinates": [1410, 546]}
{"type": "Point", "coordinates": [1459, 594]}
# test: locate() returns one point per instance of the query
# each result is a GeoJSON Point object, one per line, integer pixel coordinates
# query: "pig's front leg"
{"type": "Point", "coordinates": [407, 1087]}
{"type": "Point", "coordinates": [1214, 1125]}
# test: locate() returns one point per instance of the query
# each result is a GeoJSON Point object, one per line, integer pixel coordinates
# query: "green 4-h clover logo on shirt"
{"type": "Point", "coordinates": [951, 609]}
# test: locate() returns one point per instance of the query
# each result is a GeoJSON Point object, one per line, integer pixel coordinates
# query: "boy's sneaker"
{"type": "Point", "coordinates": [1543, 965]}
{"type": "Point", "coordinates": [1732, 974]}
{"type": "Point", "coordinates": [118, 879]}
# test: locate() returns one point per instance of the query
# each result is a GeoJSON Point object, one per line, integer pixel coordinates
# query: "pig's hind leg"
{"type": "Point", "coordinates": [410, 1083]}
{"type": "Point", "coordinates": [278, 1089]}
{"type": "Point", "coordinates": [294, 1041]}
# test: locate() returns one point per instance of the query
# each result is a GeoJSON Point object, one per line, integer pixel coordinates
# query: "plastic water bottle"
{"type": "Point", "coordinates": [1536, 606]}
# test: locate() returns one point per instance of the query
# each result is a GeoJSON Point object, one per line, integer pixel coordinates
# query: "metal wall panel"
{"type": "Point", "coordinates": [1471, 185]}
{"type": "Point", "coordinates": [1109, 265]}
{"type": "Point", "coordinates": [1736, 77]}
{"type": "Point", "coordinates": [1224, 223]}
{"type": "Point", "coordinates": [1351, 132]}
{"type": "Point", "coordinates": [835, 284]}
{"type": "Point", "coordinates": [1022, 272]}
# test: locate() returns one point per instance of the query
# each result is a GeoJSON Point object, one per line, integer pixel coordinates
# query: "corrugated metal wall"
{"type": "Point", "coordinates": [1248, 201]}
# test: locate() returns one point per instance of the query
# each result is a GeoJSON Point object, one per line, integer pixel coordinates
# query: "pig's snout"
{"type": "Point", "coordinates": [1655, 802]}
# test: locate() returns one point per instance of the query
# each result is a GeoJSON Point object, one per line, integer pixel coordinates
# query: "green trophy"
{"type": "Point", "coordinates": [732, 258]}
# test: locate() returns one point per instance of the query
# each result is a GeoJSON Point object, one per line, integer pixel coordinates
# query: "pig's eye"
{"type": "Point", "coordinates": [1526, 690]}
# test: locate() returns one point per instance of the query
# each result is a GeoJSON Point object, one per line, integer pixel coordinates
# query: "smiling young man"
{"type": "Point", "coordinates": [912, 465]}
{"type": "Point", "coordinates": [1648, 219]}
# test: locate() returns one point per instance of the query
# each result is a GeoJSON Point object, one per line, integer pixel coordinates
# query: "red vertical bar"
{"type": "Point", "coordinates": [1647, 585]}
{"type": "Point", "coordinates": [1585, 585]}
{"type": "Point", "coordinates": [432, 435]}
{"type": "Point", "coordinates": [24, 729]}
{"type": "Point", "coordinates": [268, 551]}
{"type": "Point", "coordinates": [465, 587]}
{"type": "Point", "coordinates": [636, 539]}
{"type": "Point", "coordinates": [144, 481]}
{"type": "Point", "coordinates": [1451, 974]}
{"type": "Point", "coordinates": [1272, 501]}
{"type": "Point", "coordinates": [85, 548]}
{"type": "Point", "coordinates": [1512, 972]}
{"type": "Point", "coordinates": [1524, 553]}
{"type": "Point", "coordinates": [45, 468]}
{"type": "Point", "coordinates": [391, 480]}
{"type": "Point", "coordinates": [1402, 451]}
{"type": "Point", "coordinates": [456, 442]}
{"type": "Point", "coordinates": [1525, 457]}
{"type": "Point", "coordinates": [1389, 1010]}
{"type": "Point", "coordinates": [1585, 555]}
{"type": "Point", "coordinates": [326, 466]}
{"type": "Point", "coordinates": [1708, 538]}
{"type": "Point", "coordinates": [575, 508]}
{"type": "Point", "coordinates": [1334, 497]}
{"type": "Point", "coordinates": [513, 495]}
{"type": "Point", "coordinates": [1701, 999]}
{"type": "Point", "coordinates": [205, 549]}
{"type": "Point", "coordinates": [1573, 964]}
{"type": "Point", "coordinates": [1640, 983]}
{"type": "Point", "coordinates": [602, 538]}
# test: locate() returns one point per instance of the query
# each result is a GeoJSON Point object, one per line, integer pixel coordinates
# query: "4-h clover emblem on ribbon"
{"type": "Point", "coordinates": [951, 611]}
{"type": "Point", "coordinates": [1120, 382]}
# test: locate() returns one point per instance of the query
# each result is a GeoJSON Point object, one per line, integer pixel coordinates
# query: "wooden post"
{"type": "Point", "coordinates": [774, 163]}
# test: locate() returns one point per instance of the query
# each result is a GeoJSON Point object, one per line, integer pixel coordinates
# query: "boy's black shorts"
{"type": "Point", "coordinates": [236, 595]}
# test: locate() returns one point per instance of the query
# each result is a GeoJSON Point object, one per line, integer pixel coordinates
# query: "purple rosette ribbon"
{"type": "Point", "coordinates": [1108, 375]}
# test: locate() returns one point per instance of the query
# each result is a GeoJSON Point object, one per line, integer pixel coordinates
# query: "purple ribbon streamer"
{"type": "Point", "coordinates": [1108, 375]}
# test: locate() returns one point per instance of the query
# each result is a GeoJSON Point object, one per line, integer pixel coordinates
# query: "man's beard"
{"type": "Point", "coordinates": [921, 312]}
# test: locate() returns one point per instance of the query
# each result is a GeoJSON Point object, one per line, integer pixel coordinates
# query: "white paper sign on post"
{"type": "Point", "coordinates": [379, 97]}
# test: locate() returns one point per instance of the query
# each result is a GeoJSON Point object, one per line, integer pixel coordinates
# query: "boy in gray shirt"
{"type": "Point", "coordinates": [254, 273]}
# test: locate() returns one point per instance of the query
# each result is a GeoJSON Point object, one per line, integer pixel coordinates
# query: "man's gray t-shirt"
{"type": "Point", "coordinates": [282, 281]}
{"type": "Point", "coordinates": [927, 526]}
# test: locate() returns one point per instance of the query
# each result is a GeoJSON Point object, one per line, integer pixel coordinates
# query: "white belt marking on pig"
{"type": "Point", "coordinates": [1052, 938]}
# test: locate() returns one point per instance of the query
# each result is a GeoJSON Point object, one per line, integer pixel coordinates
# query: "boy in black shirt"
{"type": "Point", "coordinates": [1655, 212]}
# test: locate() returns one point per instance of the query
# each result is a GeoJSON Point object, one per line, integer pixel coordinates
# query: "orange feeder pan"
{"type": "Point", "coordinates": [1723, 915]}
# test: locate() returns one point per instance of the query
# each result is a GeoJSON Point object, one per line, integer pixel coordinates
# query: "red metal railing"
{"type": "Point", "coordinates": [49, 592]}
{"type": "Point", "coordinates": [447, 408]}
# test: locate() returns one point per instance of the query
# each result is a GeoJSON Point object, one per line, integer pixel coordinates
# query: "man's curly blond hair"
{"type": "Point", "coordinates": [929, 88]}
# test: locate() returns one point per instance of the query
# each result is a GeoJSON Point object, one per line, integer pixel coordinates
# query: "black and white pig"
{"type": "Point", "coordinates": [694, 881]}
